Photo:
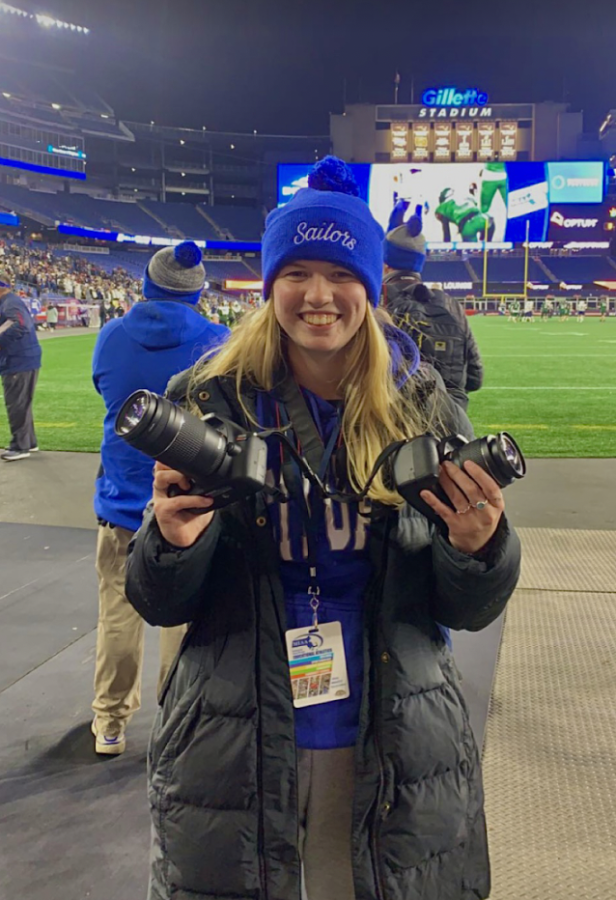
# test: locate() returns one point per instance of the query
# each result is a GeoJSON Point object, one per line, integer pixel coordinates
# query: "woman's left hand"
{"type": "Point", "coordinates": [478, 502]}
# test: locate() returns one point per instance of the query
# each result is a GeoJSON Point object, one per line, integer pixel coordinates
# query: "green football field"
{"type": "Point", "coordinates": [552, 384]}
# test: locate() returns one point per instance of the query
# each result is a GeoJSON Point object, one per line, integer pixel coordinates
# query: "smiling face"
{"type": "Point", "coordinates": [320, 306]}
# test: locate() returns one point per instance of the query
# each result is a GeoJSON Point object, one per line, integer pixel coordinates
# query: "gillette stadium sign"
{"type": "Point", "coordinates": [451, 103]}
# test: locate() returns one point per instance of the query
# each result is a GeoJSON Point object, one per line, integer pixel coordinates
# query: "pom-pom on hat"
{"type": "Point", "coordinates": [175, 273]}
{"type": "Point", "coordinates": [329, 222]}
{"type": "Point", "coordinates": [405, 245]}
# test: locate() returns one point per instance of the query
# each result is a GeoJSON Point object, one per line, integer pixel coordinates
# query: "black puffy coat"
{"type": "Point", "coordinates": [222, 760]}
{"type": "Point", "coordinates": [439, 326]}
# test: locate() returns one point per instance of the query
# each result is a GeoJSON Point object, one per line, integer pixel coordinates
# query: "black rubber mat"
{"type": "Point", "coordinates": [74, 825]}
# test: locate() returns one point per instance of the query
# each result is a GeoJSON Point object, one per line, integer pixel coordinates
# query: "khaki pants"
{"type": "Point", "coordinates": [326, 785]}
{"type": "Point", "coordinates": [120, 637]}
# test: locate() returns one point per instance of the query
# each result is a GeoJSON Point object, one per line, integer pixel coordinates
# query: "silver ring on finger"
{"type": "Point", "coordinates": [481, 504]}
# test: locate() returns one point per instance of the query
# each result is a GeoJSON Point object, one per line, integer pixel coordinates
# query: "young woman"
{"type": "Point", "coordinates": [314, 722]}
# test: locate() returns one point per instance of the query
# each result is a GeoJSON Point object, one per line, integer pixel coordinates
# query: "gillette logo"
{"type": "Point", "coordinates": [450, 96]}
{"type": "Point", "coordinates": [558, 219]}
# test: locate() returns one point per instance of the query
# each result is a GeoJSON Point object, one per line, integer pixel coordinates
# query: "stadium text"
{"type": "Point", "coordinates": [452, 97]}
{"type": "Point", "coordinates": [473, 112]}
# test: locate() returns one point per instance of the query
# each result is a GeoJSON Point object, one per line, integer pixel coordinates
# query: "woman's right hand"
{"type": "Point", "coordinates": [177, 525]}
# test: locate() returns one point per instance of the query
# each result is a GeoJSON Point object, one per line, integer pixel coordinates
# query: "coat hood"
{"type": "Point", "coordinates": [159, 324]}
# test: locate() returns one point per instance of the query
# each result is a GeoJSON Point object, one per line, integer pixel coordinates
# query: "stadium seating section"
{"type": "Point", "coordinates": [446, 270]}
{"type": "Point", "coordinates": [150, 217]}
{"type": "Point", "coordinates": [581, 269]}
{"type": "Point", "coordinates": [242, 224]}
{"type": "Point", "coordinates": [220, 271]}
{"type": "Point", "coordinates": [182, 218]}
{"type": "Point", "coordinates": [510, 269]}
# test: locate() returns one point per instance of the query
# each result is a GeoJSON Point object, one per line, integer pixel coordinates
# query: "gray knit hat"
{"type": "Point", "coordinates": [175, 273]}
{"type": "Point", "coordinates": [6, 279]}
{"type": "Point", "coordinates": [405, 246]}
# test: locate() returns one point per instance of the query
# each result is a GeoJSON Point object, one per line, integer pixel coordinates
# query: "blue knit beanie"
{"type": "Point", "coordinates": [175, 273]}
{"type": "Point", "coordinates": [405, 245]}
{"type": "Point", "coordinates": [328, 222]}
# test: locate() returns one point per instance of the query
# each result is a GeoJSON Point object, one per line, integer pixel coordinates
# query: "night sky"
{"type": "Point", "coordinates": [280, 67]}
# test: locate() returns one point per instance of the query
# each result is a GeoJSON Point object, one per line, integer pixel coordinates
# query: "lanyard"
{"type": "Point", "coordinates": [310, 516]}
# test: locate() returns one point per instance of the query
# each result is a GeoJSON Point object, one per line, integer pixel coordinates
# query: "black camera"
{"type": "Point", "coordinates": [228, 464]}
{"type": "Point", "coordinates": [415, 467]}
{"type": "Point", "coordinates": [221, 460]}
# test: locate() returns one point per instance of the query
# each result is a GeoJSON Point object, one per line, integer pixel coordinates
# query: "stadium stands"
{"type": "Point", "coordinates": [134, 263]}
{"type": "Point", "coordinates": [79, 209]}
{"type": "Point", "coordinates": [241, 223]}
{"type": "Point", "coordinates": [150, 217]}
{"type": "Point", "coordinates": [220, 270]}
{"type": "Point", "coordinates": [581, 269]}
{"type": "Point", "coordinates": [37, 205]}
{"type": "Point", "coordinates": [112, 214]}
{"type": "Point", "coordinates": [182, 218]}
{"type": "Point", "coordinates": [511, 269]}
{"type": "Point", "coordinates": [445, 270]}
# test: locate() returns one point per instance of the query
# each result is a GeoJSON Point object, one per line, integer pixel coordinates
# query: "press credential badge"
{"type": "Point", "coordinates": [317, 664]}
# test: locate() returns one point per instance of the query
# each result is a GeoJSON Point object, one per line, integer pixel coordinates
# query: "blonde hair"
{"type": "Point", "coordinates": [376, 411]}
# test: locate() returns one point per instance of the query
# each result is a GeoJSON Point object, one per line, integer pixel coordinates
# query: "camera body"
{"type": "Point", "coordinates": [416, 466]}
{"type": "Point", "coordinates": [242, 473]}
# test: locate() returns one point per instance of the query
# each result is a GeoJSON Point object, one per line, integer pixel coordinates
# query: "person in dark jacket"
{"type": "Point", "coordinates": [20, 362]}
{"type": "Point", "coordinates": [435, 321]}
{"type": "Point", "coordinates": [153, 341]}
{"type": "Point", "coordinates": [313, 724]}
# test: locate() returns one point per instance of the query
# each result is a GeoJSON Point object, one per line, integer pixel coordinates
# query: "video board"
{"type": "Point", "coordinates": [471, 201]}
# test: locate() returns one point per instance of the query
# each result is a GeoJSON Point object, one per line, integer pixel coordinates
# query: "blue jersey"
{"type": "Point", "coordinates": [343, 572]}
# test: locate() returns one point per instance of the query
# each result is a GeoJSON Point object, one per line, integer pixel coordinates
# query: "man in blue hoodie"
{"type": "Point", "coordinates": [153, 341]}
{"type": "Point", "coordinates": [20, 361]}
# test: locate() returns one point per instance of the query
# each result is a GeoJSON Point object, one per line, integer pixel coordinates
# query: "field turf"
{"type": "Point", "coordinates": [552, 384]}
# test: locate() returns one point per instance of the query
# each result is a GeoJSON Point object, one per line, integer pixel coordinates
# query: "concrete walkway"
{"type": "Point", "coordinates": [57, 488]}
{"type": "Point", "coordinates": [76, 825]}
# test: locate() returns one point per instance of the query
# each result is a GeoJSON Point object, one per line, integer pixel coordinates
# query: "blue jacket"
{"type": "Point", "coordinates": [152, 342]}
{"type": "Point", "coordinates": [20, 350]}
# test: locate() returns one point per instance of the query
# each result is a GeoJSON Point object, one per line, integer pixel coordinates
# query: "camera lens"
{"type": "Point", "coordinates": [164, 431]}
{"type": "Point", "coordinates": [512, 453]}
{"type": "Point", "coordinates": [132, 416]}
{"type": "Point", "coordinates": [498, 455]}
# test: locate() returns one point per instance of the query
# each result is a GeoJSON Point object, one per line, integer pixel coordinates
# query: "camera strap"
{"type": "Point", "coordinates": [301, 420]}
{"type": "Point", "coordinates": [296, 413]}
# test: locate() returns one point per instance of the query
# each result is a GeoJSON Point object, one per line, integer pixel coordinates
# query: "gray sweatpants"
{"type": "Point", "coordinates": [18, 395]}
{"type": "Point", "coordinates": [326, 783]}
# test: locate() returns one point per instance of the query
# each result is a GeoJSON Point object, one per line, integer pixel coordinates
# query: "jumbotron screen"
{"type": "Point", "coordinates": [465, 202]}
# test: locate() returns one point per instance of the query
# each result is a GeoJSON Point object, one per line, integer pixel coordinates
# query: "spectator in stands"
{"type": "Point", "coordinates": [153, 341]}
{"type": "Point", "coordinates": [20, 361]}
{"type": "Point", "coordinates": [436, 322]}
{"type": "Point", "coordinates": [43, 271]}
{"type": "Point", "coordinates": [245, 788]}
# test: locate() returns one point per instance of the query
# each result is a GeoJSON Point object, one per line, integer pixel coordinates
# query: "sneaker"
{"type": "Point", "coordinates": [12, 455]}
{"type": "Point", "coordinates": [110, 745]}
{"type": "Point", "coordinates": [34, 449]}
